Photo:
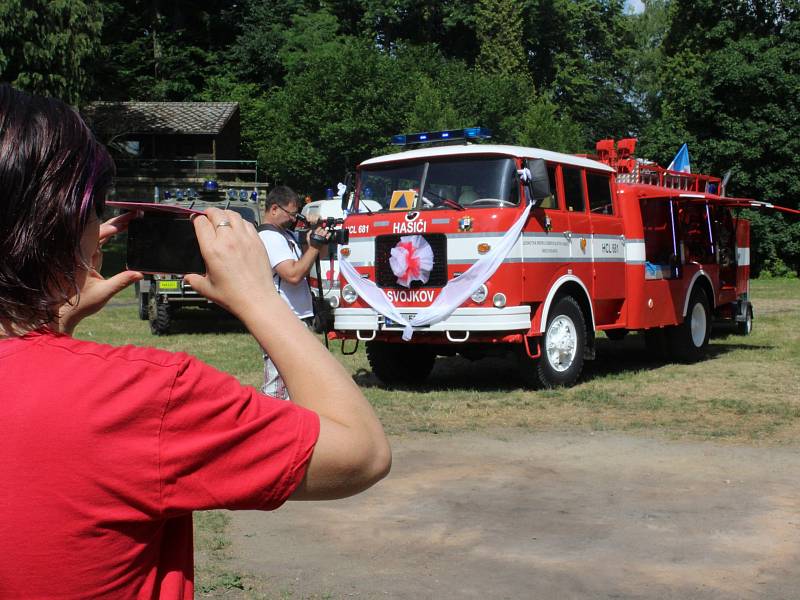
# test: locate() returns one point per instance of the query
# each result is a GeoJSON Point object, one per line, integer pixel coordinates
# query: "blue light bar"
{"type": "Point", "coordinates": [477, 132]}
{"type": "Point", "coordinates": [426, 137]}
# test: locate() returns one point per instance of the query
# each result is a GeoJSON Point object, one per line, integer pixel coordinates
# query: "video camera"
{"type": "Point", "coordinates": [335, 233]}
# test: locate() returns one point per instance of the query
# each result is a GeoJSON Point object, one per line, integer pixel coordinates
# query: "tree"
{"type": "Point", "coordinates": [431, 108]}
{"type": "Point", "coordinates": [499, 30]}
{"type": "Point", "coordinates": [447, 24]}
{"type": "Point", "coordinates": [643, 60]}
{"type": "Point", "coordinates": [340, 98]}
{"type": "Point", "coordinates": [254, 55]}
{"type": "Point", "coordinates": [541, 126]}
{"type": "Point", "coordinates": [471, 97]}
{"type": "Point", "coordinates": [253, 114]}
{"type": "Point", "coordinates": [155, 50]}
{"type": "Point", "coordinates": [730, 87]}
{"type": "Point", "coordinates": [577, 51]}
{"type": "Point", "coordinates": [45, 46]}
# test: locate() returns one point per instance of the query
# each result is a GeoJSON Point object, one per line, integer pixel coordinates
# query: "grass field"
{"type": "Point", "coordinates": [747, 389]}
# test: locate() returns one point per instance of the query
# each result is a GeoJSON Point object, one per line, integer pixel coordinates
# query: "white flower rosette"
{"type": "Point", "coordinates": [411, 260]}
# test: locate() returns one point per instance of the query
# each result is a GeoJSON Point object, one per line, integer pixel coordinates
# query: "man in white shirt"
{"type": "Point", "coordinates": [290, 267]}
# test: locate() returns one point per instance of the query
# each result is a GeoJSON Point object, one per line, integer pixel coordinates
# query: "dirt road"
{"type": "Point", "coordinates": [515, 515]}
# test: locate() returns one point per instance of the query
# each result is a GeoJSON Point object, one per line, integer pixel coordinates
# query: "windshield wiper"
{"type": "Point", "coordinates": [452, 204]}
{"type": "Point", "coordinates": [444, 201]}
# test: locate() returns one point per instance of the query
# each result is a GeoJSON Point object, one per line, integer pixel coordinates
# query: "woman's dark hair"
{"type": "Point", "coordinates": [53, 174]}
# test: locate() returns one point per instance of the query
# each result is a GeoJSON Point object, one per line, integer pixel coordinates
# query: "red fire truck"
{"type": "Point", "coordinates": [483, 249]}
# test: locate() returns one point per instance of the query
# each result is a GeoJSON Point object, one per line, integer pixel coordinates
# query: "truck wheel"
{"type": "Point", "coordinates": [563, 345]}
{"type": "Point", "coordinates": [144, 311]}
{"type": "Point", "coordinates": [688, 340]}
{"type": "Point", "coordinates": [400, 364]}
{"type": "Point", "coordinates": [746, 327]}
{"type": "Point", "coordinates": [160, 315]}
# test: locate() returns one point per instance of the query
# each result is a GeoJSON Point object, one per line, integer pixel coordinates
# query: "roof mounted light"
{"type": "Point", "coordinates": [472, 133]}
{"type": "Point", "coordinates": [427, 137]}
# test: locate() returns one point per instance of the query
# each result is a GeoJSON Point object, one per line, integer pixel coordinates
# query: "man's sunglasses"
{"type": "Point", "coordinates": [294, 215]}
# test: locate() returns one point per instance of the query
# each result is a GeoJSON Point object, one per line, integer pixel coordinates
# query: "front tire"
{"type": "Point", "coordinates": [689, 340]}
{"type": "Point", "coordinates": [400, 364]}
{"type": "Point", "coordinates": [160, 315]}
{"type": "Point", "coordinates": [562, 347]}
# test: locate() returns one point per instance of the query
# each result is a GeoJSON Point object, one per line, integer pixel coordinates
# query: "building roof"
{"type": "Point", "coordinates": [190, 118]}
{"type": "Point", "coordinates": [487, 149]}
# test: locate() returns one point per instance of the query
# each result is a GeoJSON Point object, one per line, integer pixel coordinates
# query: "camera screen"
{"type": "Point", "coordinates": [163, 243]}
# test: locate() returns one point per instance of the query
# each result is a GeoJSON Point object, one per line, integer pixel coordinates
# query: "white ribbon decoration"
{"type": "Point", "coordinates": [452, 295]}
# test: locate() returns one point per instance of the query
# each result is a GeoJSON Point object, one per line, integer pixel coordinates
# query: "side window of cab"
{"type": "Point", "coordinates": [598, 188]}
{"type": "Point", "coordinates": [552, 200]}
{"type": "Point", "coordinates": [573, 188]}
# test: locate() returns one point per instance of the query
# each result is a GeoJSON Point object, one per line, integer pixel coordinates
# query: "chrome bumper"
{"type": "Point", "coordinates": [510, 318]}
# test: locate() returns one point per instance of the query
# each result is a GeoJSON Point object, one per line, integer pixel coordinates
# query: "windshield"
{"type": "Point", "coordinates": [450, 183]}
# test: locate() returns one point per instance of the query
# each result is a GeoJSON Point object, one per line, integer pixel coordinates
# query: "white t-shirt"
{"type": "Point", "coordinates": [280, 248]}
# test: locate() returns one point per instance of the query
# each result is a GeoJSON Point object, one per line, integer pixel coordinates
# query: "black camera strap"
{"type": "Point", "coordinates": [290, 241]}
{"type": "Point", "coordinates": [322, 310]}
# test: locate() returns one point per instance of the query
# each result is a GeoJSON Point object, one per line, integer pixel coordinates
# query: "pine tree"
{"type": "Point", "coordinates": [45, 46]}
{"type": "Point", "coordinates": [499, 31]}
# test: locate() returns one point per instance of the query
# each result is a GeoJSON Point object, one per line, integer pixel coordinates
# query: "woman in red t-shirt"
{"type": "Point", "coordinates": [106, 451]}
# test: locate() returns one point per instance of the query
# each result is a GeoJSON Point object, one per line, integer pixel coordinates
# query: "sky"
{"type": "Point", "coordinates": [634, 5]}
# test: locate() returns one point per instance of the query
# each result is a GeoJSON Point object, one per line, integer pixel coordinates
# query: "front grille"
{"type": "Point", "coordinates": [386, 279]}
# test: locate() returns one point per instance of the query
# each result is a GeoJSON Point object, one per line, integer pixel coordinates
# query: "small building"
{"type": "Point", "coordinates": [167, 130]}
{"type": "Point", "coordinates": [173, 147]}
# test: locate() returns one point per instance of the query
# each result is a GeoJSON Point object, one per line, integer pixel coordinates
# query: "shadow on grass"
{"type": "Point", "coordinates": [454, 372]}
{"type": "Point", "coordinates": [614, 358]}
{"type": "Point", "coordinates": [196, 321]}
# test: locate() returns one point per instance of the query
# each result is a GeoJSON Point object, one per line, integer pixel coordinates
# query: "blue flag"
{"type": "Point", "coordinates": [681, 161]}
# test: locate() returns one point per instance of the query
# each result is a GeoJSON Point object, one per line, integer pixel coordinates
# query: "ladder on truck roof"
{"type": "Point", "coordinates": [619, 155]}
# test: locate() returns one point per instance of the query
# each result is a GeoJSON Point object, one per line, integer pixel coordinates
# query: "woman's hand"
{"type": "Point", "coordinates": [351, 452]}
{"type": "Point", "coordinates": [238, 273]}
{"type": "Point", "coordinates": [94, 290]}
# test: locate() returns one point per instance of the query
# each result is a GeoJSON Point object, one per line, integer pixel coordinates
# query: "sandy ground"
{"type": "Point", "coordinates": [531, 515]}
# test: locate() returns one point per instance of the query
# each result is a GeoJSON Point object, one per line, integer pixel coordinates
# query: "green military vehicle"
{"type": "Point", "coordinates": [160, 296]}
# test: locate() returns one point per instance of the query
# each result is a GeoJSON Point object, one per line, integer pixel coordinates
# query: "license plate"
{"type": "Point", "coordinates": [389, 323]}
{"type": "Point", "coordinates": [168, 285]}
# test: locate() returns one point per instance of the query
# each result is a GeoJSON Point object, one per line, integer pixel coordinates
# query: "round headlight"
{"type": "Point", "coordinates": [333, 300]}
{"type": "Point", "coordinates": [499, 300]}
{"type": "Point", "coordinates": [349, 294]}
{"type": "Point", "coordinates": [480, 294]}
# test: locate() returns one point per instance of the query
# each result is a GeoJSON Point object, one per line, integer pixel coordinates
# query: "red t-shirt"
{"type": "Point", "coordinates": [105, 452]}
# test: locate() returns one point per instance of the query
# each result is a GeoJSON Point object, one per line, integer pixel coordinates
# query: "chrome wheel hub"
{"type": "Point", "coordinates": [561, 343]}
{"type": "Point", "coordinates": [698, 325]}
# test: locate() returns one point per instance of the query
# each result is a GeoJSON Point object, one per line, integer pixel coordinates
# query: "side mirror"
{"type": "Point", "coordinates": [539, 182]}
{"type": "Point", "coordinates": [346, 191]}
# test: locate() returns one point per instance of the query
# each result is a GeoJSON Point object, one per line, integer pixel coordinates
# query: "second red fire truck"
{"type": "Point", "coordinates": [481, 249]}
